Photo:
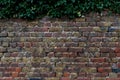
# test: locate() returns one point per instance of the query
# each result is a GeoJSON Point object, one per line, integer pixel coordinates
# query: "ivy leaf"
{"type": "Point", "coordinates": [73, 1]}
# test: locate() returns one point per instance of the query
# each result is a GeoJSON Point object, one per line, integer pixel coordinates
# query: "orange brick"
{"type": "Point", "coordinates": [18, 69]}
{"type": "Point", "coordinates": [98, 60]}
{"type": "Point", "coordinates": [66, 74]}
{"type": "Point", "coordinates": [14, 74]}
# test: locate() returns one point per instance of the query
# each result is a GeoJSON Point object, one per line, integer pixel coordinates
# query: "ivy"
{"type": "Point", "coordinates": [32, 9]}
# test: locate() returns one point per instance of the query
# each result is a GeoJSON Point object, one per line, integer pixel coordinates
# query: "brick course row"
{"type": "Point", "coordinates": [83, 49]}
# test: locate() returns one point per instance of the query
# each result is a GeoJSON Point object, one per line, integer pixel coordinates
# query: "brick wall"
{"type": "Point", "coordinates": [83, 49]}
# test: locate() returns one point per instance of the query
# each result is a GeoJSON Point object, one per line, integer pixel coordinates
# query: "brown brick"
{"type": "Point", "coordinates": [71, 44]}
{"type": "Point", "coordinates": [113, 79]}
{"type": "Point", "coordinates": [118, 75]}
{"type": "Point", "coordinates": [112, 75]}
{"type": "Point", "coordinates": [106, 50]}
{"type": "Point", "coordinates": [75, 49]}
{"type": "Point", "coordinates": [71, 29]}
{"type": "Point", "coordinates": [40, 29]}
{"type": "Point", "coordinates": [2, 69]}
{"type": "Point", "coordinates": [117, 50]}
{"type": "Point", "coordinates": [3, 34]}
{"type": "Point", "coordinates": [60, 49]}
{"type": "Point", "coordinates": [7, 74]}
{"type": "Point", "coordinates": [96, 39]}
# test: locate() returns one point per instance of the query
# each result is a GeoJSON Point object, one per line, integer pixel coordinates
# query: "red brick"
{"type": "Point", "coordinates": [18, 69]}
{"type": "Point", "coordinates": [104, 69]}
{"type": "Point", "coordinates": [66, 74]}
{"type": "Point", "coordinates": [117, 54]}
{"type": "Point", "coordinates": [118, 65]}
{"type": "Point", "coordinates": [10, 69]}
{"type": "Point", "coordinates": [73, 55]}
{"type": "Point", "coordinates": [14, 74]}
{"type": "Point", "coordinates": [117, 50]}
{"type": "Point", "coordinates": [100, 60]}
{"type": "Point", "coordinates": [40, 29]}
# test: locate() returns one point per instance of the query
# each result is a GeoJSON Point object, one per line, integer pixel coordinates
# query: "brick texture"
{"type": "Point", "coordinates": [82, 49]}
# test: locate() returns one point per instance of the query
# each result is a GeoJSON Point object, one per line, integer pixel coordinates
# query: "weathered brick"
{"type": "Point", "coordinates": [88, 70]}
{"type": "Point", "coordinates": [85, 29]}
{"type": "Point", "coordinates": [3, 34]}
{"type": "Point", "coordinates": [116, 70]}
{"type": "Point", "coordinates": [96, 39]}
{"type": "Point", "coordinates": [55, 29]}
{"type": "Point", "coordinates": [97, 29]}
{"type": "Point", "coordinates": [100, 75]}
{"type": "Point", "coordinates": [71, 29]}
{"type": "Point", "coordinates": [71, 44]}
{"type": "Point", "coordinates": [99, 78]}
{"type": "Point", "coordinates": [7, 74]}
{"type": "Point", "coordinates": [22, 74]}
{"type": "Point", "coordinates": [82, 39]}
{"type": "Point", "coordinates": [11, 34]}
{"type": "Point", "coordinates": [106, 50]}
{"type": "Point", "coordinates": [80, 19]}
{"type": "Point", "coordinates": [75, 49]}
{"type": "Point", "coordinates": [2, 49]}
{"type": "Point", "coordinates": [112, 75]}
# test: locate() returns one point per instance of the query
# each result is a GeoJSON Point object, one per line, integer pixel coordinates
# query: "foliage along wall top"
{"type": "Point", "coordinates": [31, 9]}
